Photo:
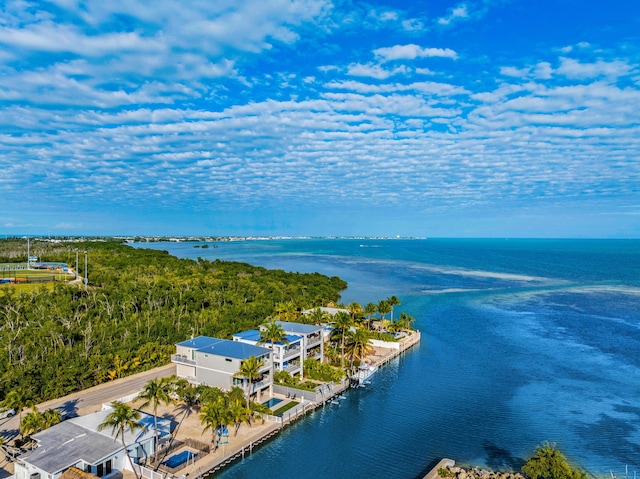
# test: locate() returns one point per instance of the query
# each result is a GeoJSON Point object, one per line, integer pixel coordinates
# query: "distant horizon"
{"type": "Point", "coordinates": [214, 238]}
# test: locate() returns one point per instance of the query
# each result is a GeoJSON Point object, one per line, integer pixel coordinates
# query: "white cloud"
{"type": "Point", "coordinates": [411, 52]}
{"type": "Point", "coordinates": [573, 69]}
{"type": "Point", "coordinates": [374, 71]}
{"type": "Point", "coordinates": [457, 13]}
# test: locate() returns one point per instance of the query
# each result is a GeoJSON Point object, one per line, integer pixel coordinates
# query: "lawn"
{"type": "Point", "coordinates": [285, 408]}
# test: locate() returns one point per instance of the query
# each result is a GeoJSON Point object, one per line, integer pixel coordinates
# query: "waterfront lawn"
{"type": "Point", "coordinates": [285, 408]}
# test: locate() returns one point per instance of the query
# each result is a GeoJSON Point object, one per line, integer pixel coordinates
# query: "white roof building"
{"type": "Point", "coordinates": [77, 442]}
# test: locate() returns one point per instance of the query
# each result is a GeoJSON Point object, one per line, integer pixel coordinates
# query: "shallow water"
{"type": "Point", "coordinates": [536, 340]}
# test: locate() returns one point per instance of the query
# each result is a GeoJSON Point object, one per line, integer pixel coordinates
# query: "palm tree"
{"type": "Point", "coordinates": [358, 345]}
{"type": "Point", "coordinates": [16, 399]}
{"type": "Point", "coordinates": [122, 417]}
{"type": "Point", "coordinates": [239, 414]}
{"type": "Point", "coordinates": [369, 310]}
{"type": "Point", "coordinates": [31, 423]}
{"type": "Point", "coordinates": [188, 397]}
{"type": "Point", "coordinates": [272, 333]}
{"type": "Point", "coordinates": [383, 308]}
{"type": "Point", "coordinates": [250, 370]}
{"type": "Point", "coordinates": [341, 323]}
{"type": "Point", "coordinates": [51, 417]}
{"type": "Point", "coordinates": [213, 416]}
{"type": "Point", "coordinates": [405, 321]}
{"type": "Point", "coordinates": [393, 301]}
{"type": "Point", "coordinates": [155, 392]}
{"type": "Point", "coordinates": [317, 316]}
{"type": "Point", "coordinates": [354, 309]}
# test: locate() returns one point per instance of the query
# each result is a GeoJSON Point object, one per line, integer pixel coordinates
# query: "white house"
{"type": "Point", "coordinates": [215, 362]}
{"type": "Point", "coordinates": [77, 443]}
{"type": "Point", "coordinates": [287, 355]}
{"type": "Point", "coordinates": [312, 338]}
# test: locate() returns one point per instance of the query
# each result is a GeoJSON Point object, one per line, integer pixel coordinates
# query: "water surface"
{"type": "Point", "coordinates": [524, 341]}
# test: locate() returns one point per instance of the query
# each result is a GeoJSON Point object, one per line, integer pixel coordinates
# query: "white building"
{"type": "Point", "coordinates": [287, 355]}
{"type": "Point", "coordinates": [215, 362]}
{"type": "Point", "coordinates": [77, 443]}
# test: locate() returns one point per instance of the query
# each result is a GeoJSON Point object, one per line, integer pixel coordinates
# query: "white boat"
{"type": "Point", "coordinates": [364, 372]}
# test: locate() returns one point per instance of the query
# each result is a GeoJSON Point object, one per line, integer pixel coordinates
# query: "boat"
{"type": "Point", "coordinates": [363, 374]}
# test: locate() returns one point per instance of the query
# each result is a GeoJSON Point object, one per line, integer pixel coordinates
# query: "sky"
{"type": "Point", "coordinates": [431, 118]}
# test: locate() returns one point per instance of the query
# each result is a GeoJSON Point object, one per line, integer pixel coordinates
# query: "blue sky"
{"type": "Point", "coordinates": [479, 118]}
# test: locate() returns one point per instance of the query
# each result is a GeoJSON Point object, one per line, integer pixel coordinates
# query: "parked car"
{"type": "Point", "coordinates": [7, 413]}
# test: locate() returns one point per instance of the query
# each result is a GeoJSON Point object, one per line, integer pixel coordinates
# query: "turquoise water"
{"type": "Point", "coordinates": [523, 341]}
{"type": "Point", "coordinates": [272, 402]}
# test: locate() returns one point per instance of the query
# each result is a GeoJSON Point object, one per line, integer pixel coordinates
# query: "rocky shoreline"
{"type": "Point", "coordinates": [456, 472]}
{"type": "Point", "coordinates": [447, 469]}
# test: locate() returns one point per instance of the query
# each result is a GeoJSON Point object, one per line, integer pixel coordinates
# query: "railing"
{"type": "Point", "coordinates": [313, 340]}
{"type": "Point", "coordinates": [291, 368]}
{"type": "Point", "coordinates": [292, 352]}
{"type": "Point", "coordinates": [178, 358]}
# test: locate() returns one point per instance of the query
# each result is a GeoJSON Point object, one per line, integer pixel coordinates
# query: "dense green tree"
{"type": "Point", "coordinates": [138, 304]}
{"type": "Point", "coordinates": [341, 324]}
{"type": "Point", "coordinates": [17, 400]}
{"type": "Point", "coordinates": [239, 414]}
{"type": "Point", "coordinates": [547, 462]}
{"type": "Point", "coordinates": [358, 345]}
{"type": "Point", "coordinates": [213, 416]}
{"type": "Point", "coordinates": [31, 423]}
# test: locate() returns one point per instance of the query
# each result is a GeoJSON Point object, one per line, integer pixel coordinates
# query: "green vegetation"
{"type": "Point", "coordinates": [324, 372]}
{"type": "Point", "coordinates": [285, 408]}
{"type": "Point", "coordinates": [138, 304]}
{"type": "Point", "coordinates": [548, 462]}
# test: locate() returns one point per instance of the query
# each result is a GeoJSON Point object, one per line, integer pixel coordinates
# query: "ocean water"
{"type": "Point", "coordinates": [523, 341]}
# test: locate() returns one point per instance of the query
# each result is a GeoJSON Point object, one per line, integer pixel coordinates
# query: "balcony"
{"type": "Point", "coordinates": [291, 353]}
{"type": "Point", "coordinates": [292, 368]}
{"type": "Point", "coordinates": [313, 340]}
{"type": "Point", "coordinates": [179, 359]}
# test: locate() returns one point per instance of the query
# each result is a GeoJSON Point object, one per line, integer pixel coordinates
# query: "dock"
{"type": "Point", "coordinates": [433, 473]}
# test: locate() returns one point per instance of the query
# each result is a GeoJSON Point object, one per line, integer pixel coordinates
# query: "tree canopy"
{"type": "Point", "coordinates": [547, 462]}
{"type": "Point", "coordinates": [138, 304]}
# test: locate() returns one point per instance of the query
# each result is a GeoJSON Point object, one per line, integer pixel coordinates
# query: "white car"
{"type": "Point", "coordinates": [7, 413]}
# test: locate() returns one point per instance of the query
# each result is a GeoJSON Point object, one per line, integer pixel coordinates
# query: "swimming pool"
{"type": "Point", "coordinates": [272, 402]}
{"type": "Point", "coordinates": [179, 459]}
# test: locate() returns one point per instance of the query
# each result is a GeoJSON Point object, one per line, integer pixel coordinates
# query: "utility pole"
{"type": "Point", "coordinates": [76, 263]}
{"type": "Point", "coordinates": [86, 270]}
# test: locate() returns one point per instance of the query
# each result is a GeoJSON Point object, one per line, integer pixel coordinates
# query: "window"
{"type": "Point", "coordinates": [100, 471]}
{"type": "Point", "coordinates": [228, 360]}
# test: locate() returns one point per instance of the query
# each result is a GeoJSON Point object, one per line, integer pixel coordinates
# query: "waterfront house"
{"type": "Point", "coordinates": [312, 338]}
{"type": "Point", "coordinates": [287, 355]}
{"type": "Point", "coordinates": [215, 362]}
{"type": "Point", "coordinates": [77, 443]}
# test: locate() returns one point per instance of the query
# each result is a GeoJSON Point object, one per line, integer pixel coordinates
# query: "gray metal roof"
{"type": "Point", "coordinates": [299, 328]}
{"type": "Point", "coordinates": [61, 446]}
{"type": "Point", "coordinates": [64, 444]}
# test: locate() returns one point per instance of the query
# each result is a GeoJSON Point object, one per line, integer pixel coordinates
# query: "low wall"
{"type": "Point", "coordinates": [377, 343]}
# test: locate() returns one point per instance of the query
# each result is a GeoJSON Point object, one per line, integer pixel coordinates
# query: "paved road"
{"type": "Point", "coordinates": [91, 400]}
